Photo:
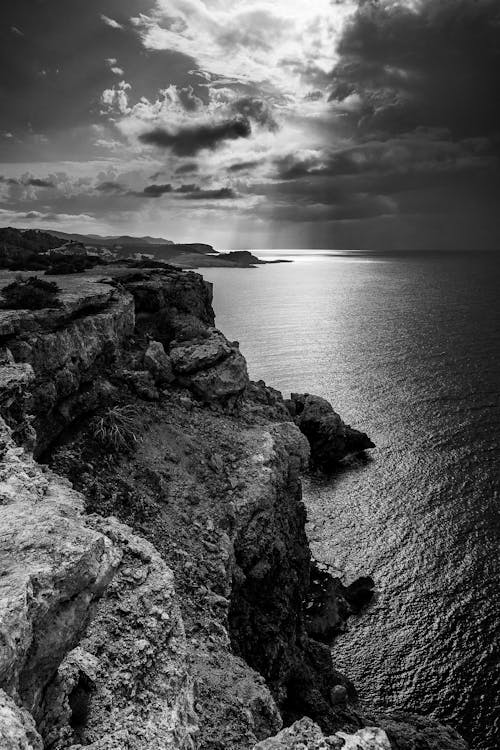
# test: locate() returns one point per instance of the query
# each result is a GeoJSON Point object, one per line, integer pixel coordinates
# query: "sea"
{"type": "Point", "coordinates": [406, 347]}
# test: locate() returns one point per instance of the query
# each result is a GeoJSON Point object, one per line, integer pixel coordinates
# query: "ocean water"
{"type": "Point", "coordinates": [408, 349]}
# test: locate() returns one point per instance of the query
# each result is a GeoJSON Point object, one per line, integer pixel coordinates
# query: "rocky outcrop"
{"type": "Point", "coordinates": [184, 621]}
{"type": "Point", "coordinates": [17, 727]}
{"type": "Point", "coordinates": [54, 567]}
{"type": "Point", "coordinates": [271, 580]}
{"type": "Point", "coordinates": [69, 350]}
{"type": "Point", "coordinates": [330, 439]}
{"type": "Point", "coordinates": [212, 368]}
{"type": "Point", "coordinates": [159, 363]}
{"type": "Point", "coordinates": [305, 734]}
{"type": "Point", "coordinates": [89, 617]}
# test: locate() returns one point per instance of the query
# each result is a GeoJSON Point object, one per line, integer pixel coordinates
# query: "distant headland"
{"type": "Point", "coordinates": [60, 252]}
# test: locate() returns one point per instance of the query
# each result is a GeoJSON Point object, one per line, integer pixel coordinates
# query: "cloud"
{"type": "Point", "coordinates": [115, 100]}
{"type": "Point", "coordinates": [112, 63]}
{"type": "Point", "coordinates": [243, 166]}
{"type": "Point", "coordinates": [269, 42]}
{"type": "Point", "coordinates": [35, 182]}
{"type": "Point", "coordinates": [257, 110]}
{"type": "Point", "coordinates": [190, 140]}
{"type": "Point", "coordinates": [110, 187]}
{"type": "Point", "coordinates": [194, 193]}
{"type": "Point", "coordinates": [156, 191]}
{"type": "Point", "coordinates": [187, 168]}
{"type": "Point", "coordinates": [111, 22]}
{"type": "Point", "coordinates": [423, 63]}
{"type": "Point", "coordinates": [28, 181]}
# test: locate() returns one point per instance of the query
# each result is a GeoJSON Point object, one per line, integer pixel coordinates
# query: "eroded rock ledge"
{"type": "Point", "coordinates": [155, 577]}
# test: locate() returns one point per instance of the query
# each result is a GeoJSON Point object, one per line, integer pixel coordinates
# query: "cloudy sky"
{"type": "Point", "coordinates": [254, 123]}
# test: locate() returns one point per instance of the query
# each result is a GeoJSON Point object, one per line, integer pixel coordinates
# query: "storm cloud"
{"type": "Point", "coordinates": [425, 64]}
{"type": "Point", "coordinates": [189, 141]}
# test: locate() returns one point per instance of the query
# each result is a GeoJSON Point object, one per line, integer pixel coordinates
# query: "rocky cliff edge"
{"type": "Point", "coordinates": [155, 568]}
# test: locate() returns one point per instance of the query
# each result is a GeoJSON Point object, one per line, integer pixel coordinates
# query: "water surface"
{"type": "Point", "coordinates": [407, 349]}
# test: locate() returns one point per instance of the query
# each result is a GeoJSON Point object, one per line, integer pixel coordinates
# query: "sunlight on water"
{"type": "Point", "coordinates": [408, 350]}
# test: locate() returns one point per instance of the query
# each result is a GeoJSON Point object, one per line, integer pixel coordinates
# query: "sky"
{"type": "Point", "coordinates": [342, 124]}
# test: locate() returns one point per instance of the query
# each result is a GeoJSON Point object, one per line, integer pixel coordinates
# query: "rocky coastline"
{"type": "Point", "coordinates": [157, 586]}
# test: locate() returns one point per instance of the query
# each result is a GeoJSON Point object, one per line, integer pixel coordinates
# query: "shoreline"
{"type": "Point", "coordinates": [208, 564]}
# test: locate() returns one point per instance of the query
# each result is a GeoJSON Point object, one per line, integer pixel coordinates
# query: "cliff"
{"type": "Point", "coordinates": [155, 568]}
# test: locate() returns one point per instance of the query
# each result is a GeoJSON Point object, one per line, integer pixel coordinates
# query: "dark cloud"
{"type": "Point", "coordinates": [35, 182]}
{"type": "Point", "coordinates": [52, 77]}
{"type": "Point", "coordinates": [243, 166]}
{"type": "Point", "coordinates": [28, 182]}
{"type": "Point", "coordinates": [435, 65]}
{"type": "Point", "coordinates": [156, 191]}
{"type": "Point", "coordinates": [192, 139]}
{"type": "Point", "coordinates": [195, 193]}
{"type": "Point", "coordinates": [187, 168]}
{"type": "Point", "coordinates": [257, 110]}
{"type": "Point", "coordinates": [110, 187]}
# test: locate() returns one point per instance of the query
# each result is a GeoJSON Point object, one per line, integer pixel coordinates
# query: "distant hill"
{"type": "Point", "coordinates": [61, 252]}
{"type": "Point", "coordinates": [109, 241]}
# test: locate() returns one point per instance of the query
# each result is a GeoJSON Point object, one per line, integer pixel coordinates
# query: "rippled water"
{"type": "Point", "coordinates": [407, 349]}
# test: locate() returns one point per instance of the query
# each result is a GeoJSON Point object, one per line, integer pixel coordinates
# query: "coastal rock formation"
{"type": "Point", "coordinates": [68, 579]}
{"type": "Point", "coordinates": [160, 600]}
{"type": "Point", "coordinates": [306, 734]}
{"type": "Point", "coordinates": [212, 368]}
{"type": "Point", "coordinates": [159, 363]}
{"type": "Point", "coordinates": [17, 727]}
{"type": "Point", "coordinates": [68, 348]}
{"type": "Point", "coordinates": [54, 567]}
{"type": "Point", "coordinates": [330, 439]}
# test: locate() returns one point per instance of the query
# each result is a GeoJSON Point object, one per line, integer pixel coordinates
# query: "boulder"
{"type": "Point", "coordinates": [142, 383]}
{"type": "Point", "coordinates": [158, 363]}
{"type": "Point", "coordinates": [201, 355]}
{"type": "Point", "coordinates": [227, 379]}
{"type": "Point", "coordinates": [305, 734]}
{"type": "Point", "coordinates": [330, 438]}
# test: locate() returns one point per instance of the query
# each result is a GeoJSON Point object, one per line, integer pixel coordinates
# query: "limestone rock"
{"type": "Point", "coordinates": [17, 728]}
{"type": "Point", "coordinates": [306, 735]}
{"type": "Point", "coordinates": [126, 685]}
{"type": "Point", "coordinates": [54, 568]}
{"type": "Point", "coordinates": [191, 358]}
{"type": "Point", "coordinates": [330, 439]}
{"type": "Point", "coordinates": [228, 378]}
{"type": "Point", "coordinates": [142, 383]}
{"type": "Point", "coordinates": [67, 348]}
{"type": "Point", "coordinates": [158, 363]}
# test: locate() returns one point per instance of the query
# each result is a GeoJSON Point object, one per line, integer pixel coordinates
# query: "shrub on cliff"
{"type": "Point", "coordinates": [116, 429]}
{"type": "Point", "coordinates": [30, 294]}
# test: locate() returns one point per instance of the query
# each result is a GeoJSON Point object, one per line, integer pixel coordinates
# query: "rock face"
{"type": "Point", "coordinates": [68, 349]}
{"type": "Point", "coordinates": [159, 363]}
{"type": "Point", "coordinates": [212, 368]}
{"type": "Point", "coordinates": [330, 439]}
{"type": "Point", "coordinates": [17, 728]}
{"type": "Point", "coordinates": [72, 585]}
{"type": "Point", "coordinates": [159, 602]}
{"type": "Point", "coordinates": [54, 568]}
{"type": "Point", "coordinates": [271, 580]}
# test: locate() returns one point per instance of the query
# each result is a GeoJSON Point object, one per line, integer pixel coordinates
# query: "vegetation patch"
{"type": "Point", "coordinates": [116, 429]}
{"type": "Point", "coordinates": [31, 294]}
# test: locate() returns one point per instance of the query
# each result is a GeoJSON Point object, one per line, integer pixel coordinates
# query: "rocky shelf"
{"type": "Point", "coordinates": [157, 587]}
